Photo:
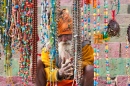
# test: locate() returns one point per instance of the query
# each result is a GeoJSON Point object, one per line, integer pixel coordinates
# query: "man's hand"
{"type": "Point", "coordinates": [65, 70]}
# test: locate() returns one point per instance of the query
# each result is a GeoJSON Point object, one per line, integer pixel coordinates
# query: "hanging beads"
{"type": "Point", "coordinates": [98, 17]}
{"type": "Point", "coordinates": [97, 41]}
{"type": "Point", "coordinates": [21, 26]}
{"type": "Point", "coordinates": [105, 36]}
{"type": "Point", "coordinates": [34, 38]}
{"type": "Point", "coordinates": [52, 36]}
{"type": "Point", "coordinates": [82, 22]}
{"type": "Point", "coordinates": [77, 41]}
{"type": "Point", "coordinates": [44, 21]}
{"type": "Point", "coordinates": [94, 17]}
{"type": "Point", "coordinates": [89, 30]}
{"type": "Point", "coordinates": [85, 21]}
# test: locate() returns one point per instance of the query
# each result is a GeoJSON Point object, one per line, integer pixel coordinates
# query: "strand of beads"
{"type": "Point", "coordinates": [52, 37]}
{"type": "Point", "coordinates": [127, 63]}
{"type": "Point", "coordinates": [82, 21]}
{"type": "Point", "coordinates": [89, 20]}
{"type": "Point", "coordinates": [80, 71]}
{"type": "Point", "coordinates": [96, 45]}
{"type": "Point", "coordinates": [57, 20]}
{"type": "Point", "coordinates": [34, 38]}
{"type": "Point", "coordinates": [98, 17]}
{"type": "Point", "coordinates": [25, 21]}
{"type": "Point", "coordinates": [105, 36]}
{"type": "Point", "coordinates": [6, 41]}
{"type": "Point", "coordinates": [44, 22]}
{"type": "Point", "coordinates": [75, 38]}
{"type": "Point", "coordinates": [85, 22]}
{"type": "Point", "coordinates": [77, 41]}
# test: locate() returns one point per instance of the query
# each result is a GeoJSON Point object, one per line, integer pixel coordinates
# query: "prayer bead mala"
{"type": "Point", "coordinates": [33, 3]}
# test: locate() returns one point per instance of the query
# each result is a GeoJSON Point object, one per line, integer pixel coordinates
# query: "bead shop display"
{"type": "Point", "coordinates": [20, 32]}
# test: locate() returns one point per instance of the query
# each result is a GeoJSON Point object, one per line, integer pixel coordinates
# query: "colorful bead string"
{"type": "Point", "coordinates": [89, 20]}
{"type": "Point", "coordinates": [96, 30]}
{"type": "Point", "coordinates": [98, 16]}
{"type": "Point", "coordinates": [52, 37]}
{"type": "Point", "coordinates": [105, 36]}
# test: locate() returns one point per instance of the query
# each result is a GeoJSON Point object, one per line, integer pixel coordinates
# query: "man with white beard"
{"type": "Point", "coordinates": [62, 73]}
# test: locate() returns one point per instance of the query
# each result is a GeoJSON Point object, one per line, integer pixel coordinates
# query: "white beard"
{"type": "Point", "coordinates": [64, 49]}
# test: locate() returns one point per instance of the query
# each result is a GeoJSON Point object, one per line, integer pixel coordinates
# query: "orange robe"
{"type": "Point", "coordinates": [51, 75]}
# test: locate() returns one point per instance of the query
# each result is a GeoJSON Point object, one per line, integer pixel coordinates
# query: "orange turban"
{"type": "Point", "coordinates": [65, 23]}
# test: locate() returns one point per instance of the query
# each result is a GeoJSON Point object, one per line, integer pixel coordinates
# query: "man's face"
{"type": "Point", "coordinates": [64, 47]}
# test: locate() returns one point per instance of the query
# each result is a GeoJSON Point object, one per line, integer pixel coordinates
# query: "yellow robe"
{"type": "Point", "coordinates": [87, 59]}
